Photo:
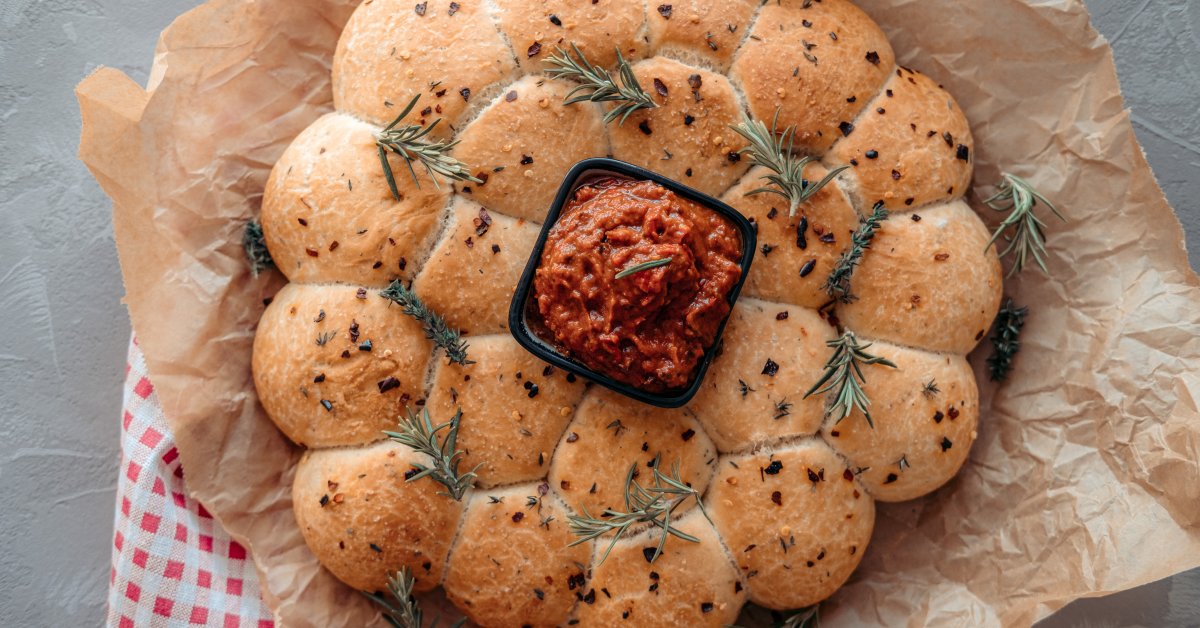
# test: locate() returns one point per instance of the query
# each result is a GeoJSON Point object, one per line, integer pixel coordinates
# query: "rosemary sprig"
{"type": "Point", "coordinates": [419, 433]}
{"type": "Point", "coordinates": [773, 150]}
{"type": "Point", "coordinates": [434, 325]}
{"type": "Point", "coordinates": [1006, 339]}
{"type": "Point", "coordinates": [843, 374]}
{"type": "Point", "coordinates": [838, 282]}
{"type": "Point", "coordinates": [808, 617]}
{"type": "Point", "coordinates": [1028, 237]}
{"type": "Point", "coordinates": [402, 610]}
{"type": "Point", "coordinates": [256, 248]}
{"type": "Point", "coordinates": [650, 504]}
{"type": "Point", "coordinates": [409, 141]}
{"type": "Point", "coordinates": [637, 268]}
{"type": "Point", "coordinates": [597, 85]}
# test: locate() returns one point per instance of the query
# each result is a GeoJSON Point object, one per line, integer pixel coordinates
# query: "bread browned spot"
{"type": "Point", "coordinates": [744, 402]}
{"type": "Point", "coordinates": [471, 276]}
{"type": "Point", "coordinates": [699, 30]}
{"type": "Point", "coordinates": [515, 408]}
{"type": "Point", "coordinates": [927, 283]}
{"type": "Point", "coordinates": [819, 63]}
{"type": "Point", "coordinates": [536, 28]}
{"type": "Point", "coordinates": [448, 52]}
{"type": "Point", "coordinates": [610, 433]}
{"type": "Point", "coordinates": [335, 365]}
{"type": "Point", "coordinates": [524, 143]}
{"type": "Point", "coordinates": [363, 521]}
{"type": "Point", "coordinates": [925, 414]}
{"type": "Point", "coordinates": [511, 565]}
{"type": "Point", "coordinates": [796, 253]}
{"type": "Point", "coordinates": [329, 216]}
{"type": "Point", "coordinates": [911, 148]}
{"type": "Point", "coordinates": [687, 137]}
{"type": "Point", "coordinates": [690, 584]}
{"type": "Point", "coordinates": [794, 520]}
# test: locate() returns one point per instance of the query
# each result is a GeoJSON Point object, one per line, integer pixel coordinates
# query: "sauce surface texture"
{"type": "Point", "coordinates": [649, 329]}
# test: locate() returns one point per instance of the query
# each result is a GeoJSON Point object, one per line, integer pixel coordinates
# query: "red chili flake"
{"type": "Point", "coordinates": [324, 500]}
{"type": "Point", "coordinates": [644, 127]}
{"type": "Point", "coordinates": [518, 516]}
{"type": "Point", "coordinates": [511, 96]}
{"type": "Point", "coordinates": [403, 263]}
{"type": "Point", "coordinates": [390, 383]}
{"type": "Point", "coordinates": [466, 91]}
{"type": "Point", "coordinates": [782, 316]}
{"type": "Point", "coordinates": [688, 172]}
{"type": "Point", "coordinates": [695, 81]}
{"type": "Point", "coordinates": [353, 331]}
{"type": "Point", "coordinates": [808, 267]}
{"type": "Point", "coordinates": [688, 435]}
{"type": "Point", "coordinates": [572, 437]}
{"type": "Point", "coordinates": [534, 50]}
{"type": "Point", "coordinates": [706, 607]}
{"type": "Point", "coordinates": [346, 353]}
{"type": "Point", "coordinates": [526, 160]}
{"type": "Point", "coordinates": [470, 242]}
{"type": "Point", "coordinates": [648, 553]}
{"type": "Point", "coordinates": [873, 57]}
{"type": "Point", "coordinates": [801, 240]}
{"type": "Point", "coordinates": [774, 468]}
{"type": "Point", "coordinates": [953, 412]}
{"type": "Point", "coordinates": [948, 138]}
{"type": "Point", "coordinates": [909, 201]}
{"type": "Point", "coordinates": [590, 598]}
{"type": "Point", "coordinates": [555, 21]}
{"type": "Point", "coordinates": [454, 7]}
{"type": "Point", "coordinates": [564, 485]}
{"type": "Point", "coordinates": [891, 477]}
{"type": "Point", "coordinates": [827, 238]}
{"type": "Point", "coordinates": [770, 368]}
{"type": "Point", "coordinates": [846, 128]}
{"type": "Point", "coordinates": [941, 257]}
{"type": "Point", "coordinates": [319, 378]}
{"type": "Point", "coordinates": [777, 497]}
{"type": "Point", "coordinates": [665, 11]}
{"type": "Point", "coordinates": [660, 87]}
{"type": "Point", "coordinates": [916, 218]}
{"type": "Point", "coordinates": [688, 119]}
{"type": "Point", "coordinates": [938, 416]}
{"type": "Point", "coordinates": [880, 111]}
{"type": "Point", "coordinates": [946, 444]}
{"type": "Point", "coordinates": [303, 222]}
{"type": "Point", "coordinates": [361, 293]}
{"type": "Point", "coordinates": [806, 23]}
{"type": "Point", "coordinates": [495, 249]}
{"type": "Point", "coordinates": [312, 252]}
{"type": "Point", "coordinates": [964, 153]}
{"type": "Point", "coordinates": [734, 156]}
{"type": "Point", "coordinates": [377, 265]}
{"type": "Point", "coordinates": [420, 8]}
{"type": "Point", "coordinates": [872, 154]}
{"type": "Point", "coordinates": [483, 222]}
{"type": "Point", "coordinates": [834, 433]}
{"type": "Point", "coordinates": [896, 175]}
{"type": "Point", "coordinates": [813, 477]}
{"type": "Point", "coordinates": [848, 475]}
{"type": "Point", "coordinates": [426, 111]}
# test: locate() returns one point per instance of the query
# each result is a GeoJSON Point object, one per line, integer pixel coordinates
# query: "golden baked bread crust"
{"type": "Point", "coordinates": [791, 492]}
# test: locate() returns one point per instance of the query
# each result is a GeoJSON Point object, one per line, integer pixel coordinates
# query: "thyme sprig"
{"type": "Point", "coordinates": [256, 248]}
{"type": "Point", "coordinates": [409, 141]}
{"type": "Point", "coordinates": [434, 325]}
{"type": "Point", "coordinates": [773, 150]}
{"type": "Point", "coordinates": [1022, 229]}
{"type": "Point", "coordinates": [644, 504]}
{"type": "Point", "coordinates": [597, 85]}
{"type": "Point", "coordinates": [844, 375]}
{"type": "Point", "coordinates": [1006, 339]}
{"type": "Point", "coordinates": [420, 434]}
{"type": "Point", "coordinates": [402, 609]}
{"type": "Point", "coordinates": [637, 268]}
{"type": "Point", "coordinates": [838, 282]}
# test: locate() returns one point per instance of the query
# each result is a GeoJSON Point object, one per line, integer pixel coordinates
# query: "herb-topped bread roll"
{"type": "Point", "coordinates": [449, 53]}
{"type": "Point", "coordinates": [363, 520]}
{"type": "Point", "coordinates": [513, 563]}
{"type": "Point", "coordinates": [328, 215]}
{"type": "Point", "coordinates": [335, 365]}
{"type": "Point", "coordinates": [867, 265]}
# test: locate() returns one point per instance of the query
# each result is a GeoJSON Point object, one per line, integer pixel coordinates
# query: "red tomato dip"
{"type": "Point", "coordinates": [649, 329]}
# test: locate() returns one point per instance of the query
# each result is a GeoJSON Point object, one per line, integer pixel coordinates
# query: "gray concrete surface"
{"type": "Point", "coordinates": [64, 334]}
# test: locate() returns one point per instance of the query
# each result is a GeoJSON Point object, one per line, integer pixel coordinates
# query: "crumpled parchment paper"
{"type": "Point", "coordinates": [1085, 478]}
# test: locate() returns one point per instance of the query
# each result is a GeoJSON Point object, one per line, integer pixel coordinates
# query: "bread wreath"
{"type": "Point", "coordinates": [790, 492]}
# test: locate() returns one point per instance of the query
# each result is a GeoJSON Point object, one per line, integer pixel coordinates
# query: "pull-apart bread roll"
{"type": "Point", "coordinates": [336, 365]}
{"type": "Point", "coordinates": [447, 52]}
{"type": "Point", "coordinates": [818, 63]}
{"type": "Point", "coordinates": [700, 32]}
{"type": "Point", "coordinates": [328, 215]}
{"type": "Point", "coordinates": [364, 521]}
{"type": "Point", "coordinates": [512, 564]}
{"type": "Point", "coordinates": [536, 29]}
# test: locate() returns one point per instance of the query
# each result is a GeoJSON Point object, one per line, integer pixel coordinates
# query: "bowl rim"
{"type": "Point", "coordinates": [518, 310]}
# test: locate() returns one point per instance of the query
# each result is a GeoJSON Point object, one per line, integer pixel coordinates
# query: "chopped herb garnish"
{"type": "Point", "coordinates": [1006, 339]}
{"type": "Point", "coordinates": [651, 504]}
{"type": "Point", "coordinates": [434, 325]}
{"type": "Point", "coordinates": [256, 248]}
{"type": "Point", "coordinates": [930, 389]}
{"type": "Point", "coordinates": [401, 609]}
{"type": "Point", "coordinates": [597, 85]}
{"type": "Point", "coordinates": [783, 408]}
{"type": "Point", "coordinates": [409, 141]}
{"type": "Point", "coordinates": [843, 374]}
{"type": "Point", "coordinates": [1028, 237]}
{"type": "Point", "coordinates": [637, 268]}
{"type": "Point", "coordinates": [773, 150]}
{"type": "Point", "coordinates": [838, 282]}
{"type": "Point", "coordinates": [419, 433]}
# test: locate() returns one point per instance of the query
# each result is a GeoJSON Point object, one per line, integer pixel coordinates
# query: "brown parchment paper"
{"type": "Point", "coordinates": [1085, 478]}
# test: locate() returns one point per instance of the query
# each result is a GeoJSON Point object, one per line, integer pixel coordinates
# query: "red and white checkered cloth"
{"type": "Point", "coordinates": [172, 563]}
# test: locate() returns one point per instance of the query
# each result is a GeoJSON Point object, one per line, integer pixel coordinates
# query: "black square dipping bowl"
{"type": "Point", "coordinates": [524, 319]}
